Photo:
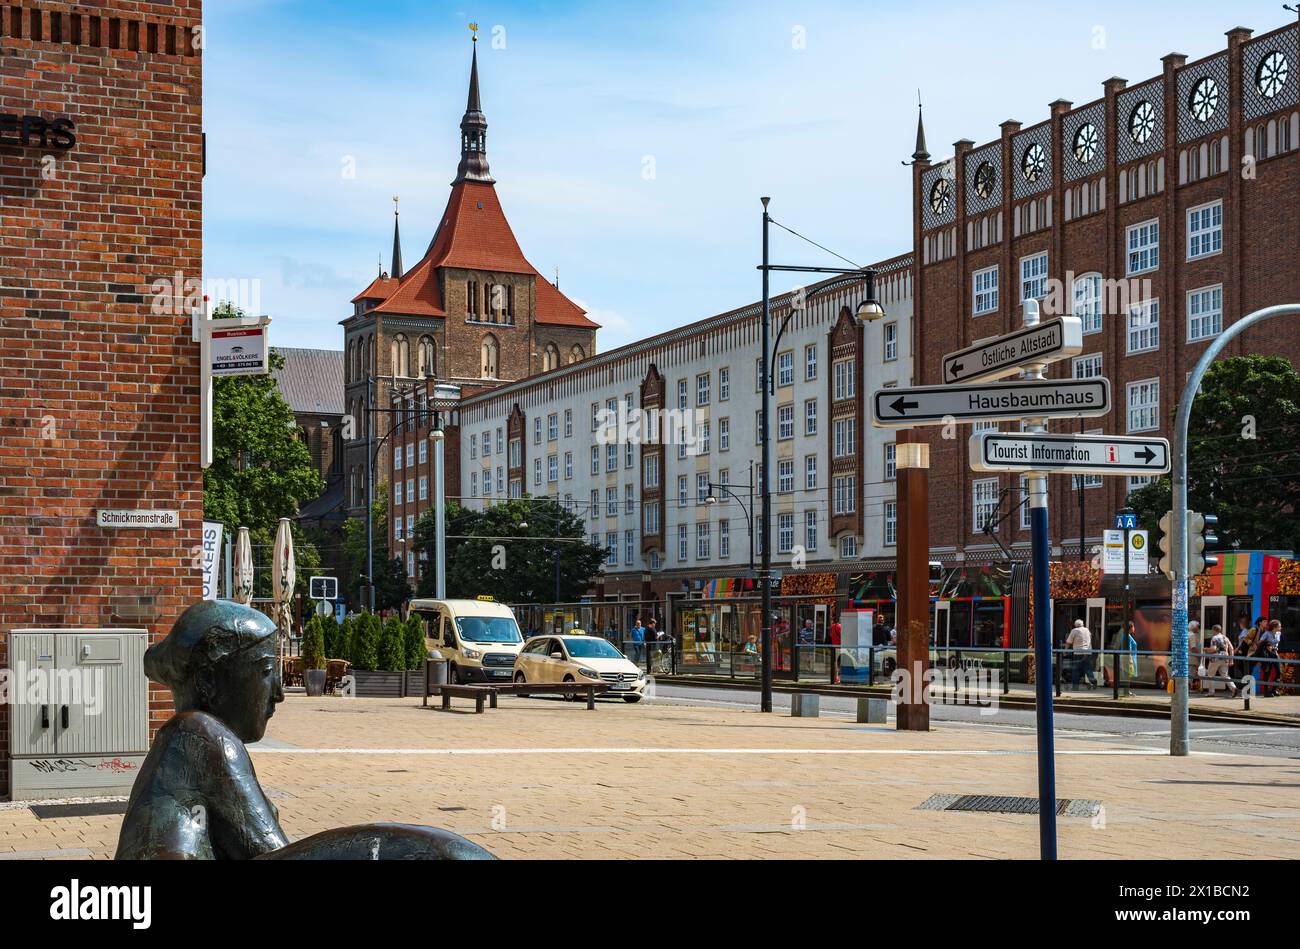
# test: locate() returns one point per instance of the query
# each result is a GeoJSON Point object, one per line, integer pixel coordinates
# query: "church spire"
{"type": "Point", "coordinates": [473, 129]}
{"type": "Point", "coordinates": [397, 241]}
{"type": "Point", "coordinates": [922, 153]}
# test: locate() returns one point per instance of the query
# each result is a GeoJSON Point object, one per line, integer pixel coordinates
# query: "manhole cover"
{"type": "Point", "coordinates": [52, 811]}
{"type": "Point", "coordinates": [1001, 804]}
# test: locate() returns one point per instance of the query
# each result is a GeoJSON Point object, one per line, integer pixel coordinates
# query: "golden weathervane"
{"type": "Point", "coordinates": [474, 29]}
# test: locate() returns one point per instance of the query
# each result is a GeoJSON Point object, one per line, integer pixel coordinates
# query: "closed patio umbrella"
{"type": "Point", "coordinates": [242, 570]}
{"type": "Point", "coordinates": [283, 579]}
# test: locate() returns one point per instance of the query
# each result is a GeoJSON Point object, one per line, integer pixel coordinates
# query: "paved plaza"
{"type": "Point", "coordinates": [541, 778]}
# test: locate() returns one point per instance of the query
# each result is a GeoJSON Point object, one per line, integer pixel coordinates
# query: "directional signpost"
{"type": "Point", "coordinates": [1069, 454]}
{"type": "Point", "coordinates": [1008, 355]}
{"type": "Point", "coordinates": [998, 401]}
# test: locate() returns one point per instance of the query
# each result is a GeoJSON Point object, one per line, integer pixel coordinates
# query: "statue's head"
{"type": "Point", "coordinates": [220, 658]}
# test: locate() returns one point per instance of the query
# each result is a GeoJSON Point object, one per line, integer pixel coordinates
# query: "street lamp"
{"type": "Point", "coordinates": [712, 498]}
{"type": "Point", "coordinates": [868, 311]}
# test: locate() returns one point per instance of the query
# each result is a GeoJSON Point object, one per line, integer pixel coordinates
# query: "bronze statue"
{"type": "Point", "coordinates": [197, 796]}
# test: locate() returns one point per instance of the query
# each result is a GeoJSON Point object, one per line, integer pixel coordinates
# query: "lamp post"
{"type": "Point", "coordinates": [868, 311]}
{"type": "Point", "coordinates": [747, 511]}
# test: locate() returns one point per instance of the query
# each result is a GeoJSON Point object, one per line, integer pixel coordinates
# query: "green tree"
{"type": "Point", "coordinates": [260, 471]}
{"type": "Point", "coordinates": [391, 586]}
{"type": "Point", "coordinates": [1243, 456]}
{"type": "Point", "coordinates": [489, 552]}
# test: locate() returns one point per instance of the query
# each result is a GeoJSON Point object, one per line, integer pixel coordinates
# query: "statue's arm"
{"type": "Point", "coordinates": [382, 842]}
{"type": "Point", "coordinates": [243, 822]}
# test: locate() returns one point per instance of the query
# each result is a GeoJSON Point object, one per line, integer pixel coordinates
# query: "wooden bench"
{"type": "Point", "coordinates": [489, 692]}
{"type": "Point", "coordinates": [476, 692]}
{"type": "Point", "coordinates": [524, 689]}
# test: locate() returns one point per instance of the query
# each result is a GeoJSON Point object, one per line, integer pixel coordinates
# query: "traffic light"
{"type": "Point", "coordinates": [1167, 544]}
{"type": "Point", "coordinates": [1200, 537]}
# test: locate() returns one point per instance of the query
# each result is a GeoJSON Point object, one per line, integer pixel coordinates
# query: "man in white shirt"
{"type": "Point", "coordinates": [1080, 643]}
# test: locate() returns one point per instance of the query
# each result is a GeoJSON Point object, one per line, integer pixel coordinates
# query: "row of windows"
{"type": "Point", "coordinates": [1142, 256]}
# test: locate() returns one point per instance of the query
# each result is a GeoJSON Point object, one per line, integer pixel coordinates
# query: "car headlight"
{"type": "Point", "coordinates": [590, 673]}
{"type": "Point", "coordinates": [472, 653]}
{"type": "Point", "coordinates": [640, 673]}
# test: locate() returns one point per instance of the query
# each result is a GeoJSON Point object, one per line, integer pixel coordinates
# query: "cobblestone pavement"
{"type": "Point", "coordinates": [542, 778]}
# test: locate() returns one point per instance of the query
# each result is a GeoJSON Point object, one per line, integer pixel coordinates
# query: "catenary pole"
{"type": "Point", "coordinates": [1179, 745]}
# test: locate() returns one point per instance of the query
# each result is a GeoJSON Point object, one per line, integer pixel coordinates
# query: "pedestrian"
{"type": "Point", "coordinates": [1269, 643]}
{"type": "Point", "coordinates": [1131, 644]}
{"type": "Point", "coordinates": [835, 633]}
{"type": "Point", "coordinates": [806, 634]}
{"type": "Point", "coordinates": [1218, 663]}
{"type": "Point", "coordinates": [1080, 643]}
{"type": "Point", "coordinates": [1250, 648]}
{"type": "Point", "coordinates": [638, 637]}
{"type": "Point", "coordinates": [1195, 650]}
{"type": "Point", "coordinates": [1239, 647]}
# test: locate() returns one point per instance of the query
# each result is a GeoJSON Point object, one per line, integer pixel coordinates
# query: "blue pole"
{"type": "Point", "coordinates": [1043, 681]}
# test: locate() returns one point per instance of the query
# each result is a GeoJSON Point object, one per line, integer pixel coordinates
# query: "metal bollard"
{"type": "Point", "coordinates": [805, 705]}
{"type": "Point", "coordinates": [873, 711]}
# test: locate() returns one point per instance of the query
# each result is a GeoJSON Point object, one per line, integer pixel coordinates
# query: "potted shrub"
{"type": "Point", "coordinates": [378, 658]}
{"type": "Point", "coordinates": [416, 654]}
{"type": "Point", "coordinates": [313, 657]}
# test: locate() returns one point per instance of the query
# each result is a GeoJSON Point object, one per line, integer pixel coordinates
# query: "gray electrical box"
{"type": "Point", "coordinates": [79, 719]}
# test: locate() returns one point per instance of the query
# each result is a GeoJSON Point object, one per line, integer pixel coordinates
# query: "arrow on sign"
{"type": "Point", "coordinates": [1068, 454]}
{"type": "Point", "coordinates": [938, 405]}
{"type": "Point", "coordinates": [1004, 356]}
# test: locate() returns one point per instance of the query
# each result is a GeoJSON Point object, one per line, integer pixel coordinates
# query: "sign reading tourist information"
{"type": "Point", "coordinates": [990, 402]}
{"type": "Point", "coordinates": [1069, 454]}
{"type": "Point", "coordinates": [239, 349]}
{"type": "Point", "coordinates": [1007, 355]}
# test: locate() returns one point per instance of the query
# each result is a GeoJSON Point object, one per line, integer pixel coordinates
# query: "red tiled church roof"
{"type": "Point", "coordinates": [380, 289]}
{"type": "Point", "coordinates": [475, 235]}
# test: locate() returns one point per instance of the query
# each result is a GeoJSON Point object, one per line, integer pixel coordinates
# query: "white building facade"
{"type": "Point", "coordinates": [637, 440]}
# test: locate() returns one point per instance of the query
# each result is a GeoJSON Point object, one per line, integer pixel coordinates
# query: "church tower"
{"type": "Point", "coordinates": [472, 312]}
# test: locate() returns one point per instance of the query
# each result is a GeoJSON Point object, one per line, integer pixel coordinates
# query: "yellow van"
{"type": "Point", "coordinates": [479, 637]}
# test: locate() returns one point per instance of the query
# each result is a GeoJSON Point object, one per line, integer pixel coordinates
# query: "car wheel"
{"type": "Point", "coordinates": [631, 699]}
{"type": "Point", "coordinates": [453, 675]}
{"type": "Point", "coordinates": [569, 696]}
{"type": "Point", "coordinates": [887, 667]}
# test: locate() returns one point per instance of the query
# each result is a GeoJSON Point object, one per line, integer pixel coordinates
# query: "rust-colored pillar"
{"type": "Point", "coordinates": [912, 456]}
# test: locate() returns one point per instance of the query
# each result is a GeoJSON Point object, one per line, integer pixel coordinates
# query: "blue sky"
{"type": "Point", "coordinates": [630, 141]}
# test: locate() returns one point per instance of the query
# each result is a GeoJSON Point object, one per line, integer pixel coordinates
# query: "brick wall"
{"type": "Point", "coordinates": [98, 394]}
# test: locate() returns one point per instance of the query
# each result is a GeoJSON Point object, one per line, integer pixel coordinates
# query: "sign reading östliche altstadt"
{"type": "Point", "coordinates": [1006, 355]}
{"type": "Point", "coordinates": [1073, 454]}
{"type": "Point", "coordinates": [988, 402]}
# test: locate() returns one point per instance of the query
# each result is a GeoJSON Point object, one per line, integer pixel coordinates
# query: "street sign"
{"type": "Point", "coordinates": [323, 588]}
{"type": "Point", "coordinates": [1069, 454]}
{"type": "Point", "coordinates": [1129, 520]}
{"type": "Point", "coordinates": [995, 401]}
{"type": "Point", "coordinates": [1006, 355]}
{"type": "Point", "coordinates": [238, 348]}
{"type": "Point", "coordinates": [138, 519]}
{"type": "Point", "coordinates": [1113, 556]}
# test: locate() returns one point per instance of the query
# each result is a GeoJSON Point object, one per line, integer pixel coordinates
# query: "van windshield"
{"type": "Point", "coordinates": [488, 629]}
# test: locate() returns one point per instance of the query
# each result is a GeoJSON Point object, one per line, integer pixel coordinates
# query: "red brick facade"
{"type": "Point", "coordinates": [99, 394]}
{"type": "Point", "coordinates": [1243, 155]}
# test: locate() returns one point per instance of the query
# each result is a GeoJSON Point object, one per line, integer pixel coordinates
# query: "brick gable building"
{"type": "Point", "coordinates": [1157, 213]}
{"type": "Point", "coordinates": [99, 376]}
